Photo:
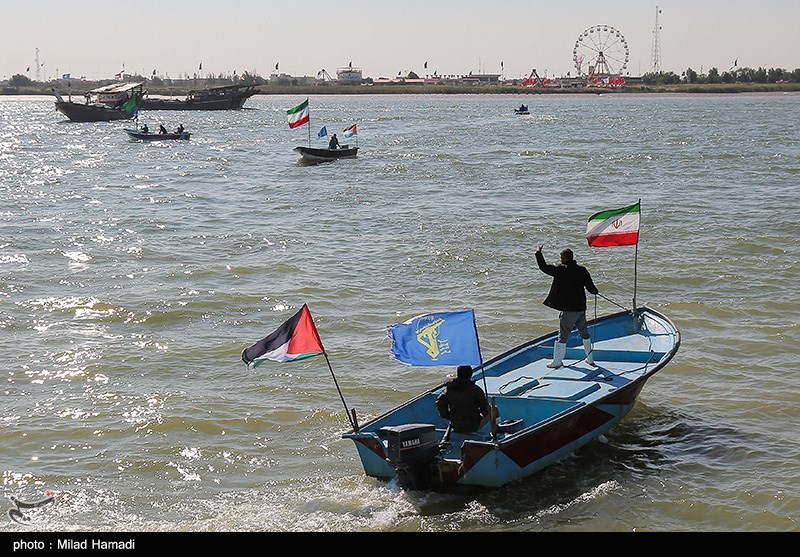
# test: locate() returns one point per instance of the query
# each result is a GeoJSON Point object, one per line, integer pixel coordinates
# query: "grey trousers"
{"type": "Point", "coordinates": [567, 320]}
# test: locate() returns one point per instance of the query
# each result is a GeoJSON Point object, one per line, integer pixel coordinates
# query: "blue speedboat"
{"type": "Point", "coordinates": [545, 414]}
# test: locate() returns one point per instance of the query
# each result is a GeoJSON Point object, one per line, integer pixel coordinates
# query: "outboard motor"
{"type": "Point", "coordinates": [411, 450]}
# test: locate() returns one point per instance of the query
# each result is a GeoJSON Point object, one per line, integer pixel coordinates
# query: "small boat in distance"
{"type": "Point", "coordinates": [315, 154]}
{"type": "Point", "coordinates": [228, 97]}
{"type": "Point", "coordinates": [300, 116]}
{"type": "Point", "coordinates": [104, 104]}
{"type": "Point", "coordinates": [523, 109]}
{"type": "Point", "coordinates": [545, 414]}
{"type": "Point", "coordinates": [150, 136]}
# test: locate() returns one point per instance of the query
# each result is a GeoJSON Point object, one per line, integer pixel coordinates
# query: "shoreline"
{"type": "Point", "coordinates": [721, 88]}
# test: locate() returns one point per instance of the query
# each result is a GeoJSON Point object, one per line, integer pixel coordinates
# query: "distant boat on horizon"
{"type": "Point", "coordinates": [104, 104]}
{"type": "Point", "coordinates": [226, 97]}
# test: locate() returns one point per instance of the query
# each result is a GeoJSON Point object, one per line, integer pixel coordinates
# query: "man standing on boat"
{"type": "Point", "coordinates": [334, 142]}
{"type": "Point", "coordinates": [463, 403]}
{"type": "Point", "coordinates": [568, 296]}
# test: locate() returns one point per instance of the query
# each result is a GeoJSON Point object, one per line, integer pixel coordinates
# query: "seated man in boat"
{"type": "Point", "coordinates": [334, 142]}
{"type": "Point", "coordinates": [463, 403]}
{"type": "Point", "coordinates": [179, 129]}
{"type": "Point", "coordinates": [162, 129]}
{"type": "Point", "coordinates": [145, 129]}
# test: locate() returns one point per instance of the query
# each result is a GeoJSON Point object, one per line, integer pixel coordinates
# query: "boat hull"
{"type": "Point", "coordinates": [229, 97]}
{"type": "Point", "coordinates": [314, 155]}
{"type": "Point", "coordinates": [554, 412]}
{"type": "Point", "coordinates": [235, 103]}
{"type": "Point", "coordinates": [78, 112]}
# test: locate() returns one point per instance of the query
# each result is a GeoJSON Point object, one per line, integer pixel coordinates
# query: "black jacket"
{"type": "Point", "coordinates": [464, 404]}
{"type": "Point", "coordinates": [567, 291]}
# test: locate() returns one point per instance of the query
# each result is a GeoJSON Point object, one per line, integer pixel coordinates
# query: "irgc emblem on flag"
{"type": "Point", "coordinates": [437, 339]}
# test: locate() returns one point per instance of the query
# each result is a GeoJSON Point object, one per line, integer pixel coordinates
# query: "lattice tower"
{"type": "Point", "coordinates": [656, 53]}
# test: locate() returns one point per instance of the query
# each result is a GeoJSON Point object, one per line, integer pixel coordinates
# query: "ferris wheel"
{"type": "Point", "coordinates": [600, 49]}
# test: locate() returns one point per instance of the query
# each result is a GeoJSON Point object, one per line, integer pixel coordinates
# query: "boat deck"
{"type": "Point", "coordinates": [544, 412]}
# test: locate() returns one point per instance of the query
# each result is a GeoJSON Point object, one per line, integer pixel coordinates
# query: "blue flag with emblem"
{"type": "Point", "coordinates": [437, 339]}
{"type": "Point", "coordinates": [322, 133]}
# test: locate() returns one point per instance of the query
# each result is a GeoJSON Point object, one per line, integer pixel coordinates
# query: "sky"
{"type": "Point", "coordinates": [385, 38]}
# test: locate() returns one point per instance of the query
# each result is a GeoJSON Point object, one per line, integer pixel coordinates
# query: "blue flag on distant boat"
{"type": "Point", "coordinates": [437, 339]}
{"type": "Point", "coordinates": [322, 133]}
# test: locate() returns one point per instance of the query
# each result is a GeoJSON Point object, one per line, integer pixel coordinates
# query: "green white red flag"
{"type": "Point", "coordinates": [296, 339]}
{"type": "Point", "coordinates": [615, 227]}
{"type": "Point", "coordinates": [298, 115]}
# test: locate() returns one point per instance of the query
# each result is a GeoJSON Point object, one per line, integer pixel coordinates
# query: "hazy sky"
{"type": "Point", "coordinates": [97, 39]}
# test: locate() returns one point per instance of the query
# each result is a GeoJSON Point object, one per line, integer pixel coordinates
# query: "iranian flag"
{"type": "Point", "coordinates": [296, 339]}
{"type": "Point", "coordinates": [298, 115]}
{"type": "Point", "coordinates": [616, 227]}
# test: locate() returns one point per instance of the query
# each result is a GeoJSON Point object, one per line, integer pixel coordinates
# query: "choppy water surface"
{"type": "Point", "coordinates": [133, 275]}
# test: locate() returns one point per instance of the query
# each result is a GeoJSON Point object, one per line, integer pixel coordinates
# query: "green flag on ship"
{"type": "Point", "coordinates": [131, 105]}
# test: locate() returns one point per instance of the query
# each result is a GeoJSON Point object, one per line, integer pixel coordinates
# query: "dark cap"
{"type": "Point", "coordinates": [567, 255]}
{"type": "Point", "coordinates": [464, 372]}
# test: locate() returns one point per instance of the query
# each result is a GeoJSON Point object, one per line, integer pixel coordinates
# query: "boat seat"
{"type": "Point", "coordinates": [566, 389]}
{"type": "Point", "coordinates": [569, 373]}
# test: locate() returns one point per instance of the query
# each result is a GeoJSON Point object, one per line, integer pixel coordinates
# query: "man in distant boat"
{"type": "Point", "coordinates": [179, 129]}
{"type": "Point", "coordinates": [568, 296]}
{"type": "Point", "coordinates": [145, 129]}
{"type": "Point", "coordinates": [463, 403]}
{"type": "Point", "coordinates": [334, 142]}
{"type": "Point", "coordinates": [162, 129]}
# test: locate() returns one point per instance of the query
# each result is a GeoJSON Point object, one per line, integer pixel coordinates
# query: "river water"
{"type": "Point", "coordinates": [134, 274]}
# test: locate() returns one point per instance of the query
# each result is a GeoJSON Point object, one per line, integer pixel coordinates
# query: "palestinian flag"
{"type": "Point", "coordinates": [351, 131]}
{"type": "Point", "coordinates": [616, 227]}
{"type": "Point", "coordinates": [296, 339]}
{"type": "Point", "coordinates": [298, 115]}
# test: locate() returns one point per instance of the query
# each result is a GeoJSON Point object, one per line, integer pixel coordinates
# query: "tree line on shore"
{"type": "Point", "coordinates": [714, 76]}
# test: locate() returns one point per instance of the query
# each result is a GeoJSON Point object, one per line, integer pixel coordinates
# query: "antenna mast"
{"type": "Point", "coordinates": [37, 65]}
{"type": "Point", "coordinates": [656, 54]}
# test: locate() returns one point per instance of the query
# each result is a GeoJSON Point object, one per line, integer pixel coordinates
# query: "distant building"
{"type": "Point", "coordinates": [482, 78]}
{"type": "Point", "coordinates": [349, 75]}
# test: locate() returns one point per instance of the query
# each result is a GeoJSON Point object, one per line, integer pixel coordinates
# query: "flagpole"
{"type": "Point", "coordinates": [309, 144]}
{"type": "Point", "coordinates": [635, 261]}
{"type": "Point", "coordinates": [351, 419]}
{"type": "Point", "coordinates": [636, 257]}
{"type": "Point", "coordinates": [492, 407]}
